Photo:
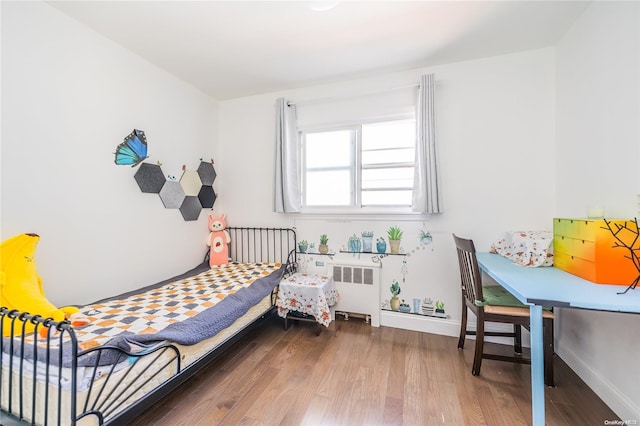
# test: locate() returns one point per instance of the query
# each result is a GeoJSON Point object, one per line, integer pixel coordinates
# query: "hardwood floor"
{"type": "Point", "coordinates": [355, 374]}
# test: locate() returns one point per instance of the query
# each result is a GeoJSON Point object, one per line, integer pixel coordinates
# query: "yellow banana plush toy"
{"type": "Point", "coordinates": [21, 286]}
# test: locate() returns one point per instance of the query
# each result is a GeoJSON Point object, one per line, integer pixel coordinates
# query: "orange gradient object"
{"type": "Point", "coordinates": [585, 247]}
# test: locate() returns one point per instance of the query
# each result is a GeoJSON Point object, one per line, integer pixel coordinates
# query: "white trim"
{"type": "Point", "coordinates": [335, 125]}
{"type": "Point", "coordinates": [351, 96]}
{"type": "Point", "coordinates": [421, 323]}
{"type": "Point", "coordinates": [447, 327]}
{"type": "Point", "coordinates": [368, 216]}
{"type": "Point", "coordinates": [620, 403]}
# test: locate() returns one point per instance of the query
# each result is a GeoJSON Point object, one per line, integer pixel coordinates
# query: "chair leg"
{"type": "Point", "coordinates": [548, 352]}
{"type": "Point", "coordinates": [463, 326]}
{"type": "Point", "coordinates": [477, 357]}
{"type": "Point", "coordinates": [517, 339]}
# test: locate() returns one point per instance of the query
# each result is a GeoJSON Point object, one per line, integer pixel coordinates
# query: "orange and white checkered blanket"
{"type": "Point", "coordinates": [183, 311]}
{"type": "Point", "coordinates": [153, 310]}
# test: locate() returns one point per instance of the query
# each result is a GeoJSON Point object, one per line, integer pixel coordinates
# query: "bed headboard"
{"type": "Point", "coordinates": [262, 245]}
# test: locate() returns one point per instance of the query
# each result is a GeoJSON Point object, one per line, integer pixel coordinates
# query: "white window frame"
{"type": "Point", "coordinates": [356, 207]}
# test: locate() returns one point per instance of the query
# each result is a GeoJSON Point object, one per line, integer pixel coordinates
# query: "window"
{"type": "Point", "coordinates": [359, 167]}
{"type": "Point", "coordinates": [358, 153]}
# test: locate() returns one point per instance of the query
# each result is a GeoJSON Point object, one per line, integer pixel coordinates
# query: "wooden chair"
{"type": "Point", "coordinates": [495, 304]}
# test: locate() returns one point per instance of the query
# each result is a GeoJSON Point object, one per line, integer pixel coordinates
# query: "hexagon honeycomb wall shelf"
{"type": "Point", "coordinates": [150, 178]}
{"type": "Point", "coordinates": [191, 182]}
{"type": "Point", "coordinates": [172, 194]}
{"type": "Point", "coordinates": [190, 195]}
{"type": "Point", "coordinates": [207, 173]}
{"type": "Point", "coordinates": [207, 196]}
{"type": "Point", "coordinates": [190, 208]}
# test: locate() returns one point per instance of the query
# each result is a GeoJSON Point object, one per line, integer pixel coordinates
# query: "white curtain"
{"type": "Point", "coordinates": [286, 197]}
{"type": "Point", "coordinates": [426, 193]}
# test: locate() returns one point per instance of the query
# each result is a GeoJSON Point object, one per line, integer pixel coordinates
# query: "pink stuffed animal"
{"type": "Point", "coordinates": [218, 241]}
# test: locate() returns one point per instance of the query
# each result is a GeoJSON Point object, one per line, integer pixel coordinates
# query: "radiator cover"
{"type": "Point", "coordinates": [358, 283]}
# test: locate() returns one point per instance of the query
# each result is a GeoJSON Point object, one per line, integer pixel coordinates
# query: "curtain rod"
{"type": "Point", "coordinates": [360, 95]}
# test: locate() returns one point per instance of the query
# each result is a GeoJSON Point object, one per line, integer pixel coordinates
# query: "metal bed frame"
{"type": "Point", "coordinates": [104, 400]}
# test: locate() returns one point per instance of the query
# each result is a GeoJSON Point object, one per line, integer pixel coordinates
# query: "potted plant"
{"type": "Point", "coordinates": [354, 244]}
{"type": "Point", "coordinates": [303, 245]}
{"type": "Point", "coordinates": [425, 237]}
{"type": "Point", "coordinates": [367, 241]}
{"type": "Point", "coordinates": [323, 247]}
{"type": "Point", "coordinates": [404, 307]}
{"type": "Point", "coordinates": [395, 300]}
{"type": "Point", "coordinates": [395, 235]}
{"type": "Point", "coordinates": [381, 245]}
{"type": "Point", "coordinates": [439, 308]}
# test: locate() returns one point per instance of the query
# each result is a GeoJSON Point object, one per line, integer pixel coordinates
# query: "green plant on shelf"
{"type": "Point", "coordinates": [404, 307]}
{"type": "Point", "coordinates": [395, 289]}
{"type": "Point", "coordinates": [323, 248]}
{"type": "Point", "coordinates": [354, 243]}
{"type": "Point", "coordinates": [395, 300]}
{"type": "Point", "coordinates": [367, 241]}
{"type": "Point", "coordinates": [425, 237]}
{"type": "Point", "coordinates": [394, 233]}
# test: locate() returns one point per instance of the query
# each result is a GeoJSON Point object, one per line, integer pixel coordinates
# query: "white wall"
{"type": "Point", "coordinates": [495, 126]}
{"type": "Point", "coordinates": [69, 97]}
{"type": "Point", "coordinates": [598, 153]}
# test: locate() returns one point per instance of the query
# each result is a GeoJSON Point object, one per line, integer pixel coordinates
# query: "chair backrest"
{"type": "Point", "coordinates": [470, 277]}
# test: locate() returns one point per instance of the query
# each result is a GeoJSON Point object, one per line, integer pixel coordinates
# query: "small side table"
{"type": "Point", "coordinates": [305, 297]}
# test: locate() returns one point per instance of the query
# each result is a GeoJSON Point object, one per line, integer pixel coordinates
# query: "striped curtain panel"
{"type": "Point", "coordinates": [426, 193]}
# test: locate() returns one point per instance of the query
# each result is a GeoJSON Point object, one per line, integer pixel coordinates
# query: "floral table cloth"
{"type": "Point", "coordinates": [526, 248]}
{"type": "Point", "coordinates": [308, 294]}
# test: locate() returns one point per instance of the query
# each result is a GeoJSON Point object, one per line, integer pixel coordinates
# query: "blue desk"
{"type": "Point", "coordinates": [549, 286]}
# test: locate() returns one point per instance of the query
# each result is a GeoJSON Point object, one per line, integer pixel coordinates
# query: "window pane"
{"type": "Point", "coordinates": [328, 188]}
{"type": "Point", "coordinates": [404, 155]}
{"type": "Point", "coordinates": [399, 177]}
{"type": "Point", "coordinates": [329, 149]}
{"type": "Point", "coordinates": [386, 198]}
{"type": "Point", "coordinates": [388, 134]}
{"type": "Point", "coordinates": [384, 177]}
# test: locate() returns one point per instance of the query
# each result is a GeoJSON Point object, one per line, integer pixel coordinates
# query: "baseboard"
{"type": "Point", "coordinates": [607, 391]}
{"type": "Point", "coordinates": [445, 326]}
{"type": "Point", "coordinates": [422, 323]}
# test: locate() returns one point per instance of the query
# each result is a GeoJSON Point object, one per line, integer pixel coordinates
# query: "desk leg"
{"type": "Point", "coordinates": [537, 366]}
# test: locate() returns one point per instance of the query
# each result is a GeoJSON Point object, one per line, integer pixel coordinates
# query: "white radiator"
{"type": "Point", "coordinates": [358, 283]}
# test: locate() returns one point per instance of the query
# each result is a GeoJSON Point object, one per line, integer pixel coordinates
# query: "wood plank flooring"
{"type": "Point", "coordinates": [355, 374]}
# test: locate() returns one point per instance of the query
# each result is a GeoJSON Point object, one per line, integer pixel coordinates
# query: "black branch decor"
{"type": "Point", "coordinates": [627, 236]}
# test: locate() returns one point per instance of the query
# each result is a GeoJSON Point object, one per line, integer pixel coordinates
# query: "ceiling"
{"type": "Point", "coordinates": [231, 49]}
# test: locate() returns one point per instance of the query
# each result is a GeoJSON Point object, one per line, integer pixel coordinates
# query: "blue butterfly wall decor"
{"type": "Point", "coordinates": [133, 150]}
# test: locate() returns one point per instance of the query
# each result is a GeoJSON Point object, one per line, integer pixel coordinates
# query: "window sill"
{"type": "Point", "coordinates": [368, 216]}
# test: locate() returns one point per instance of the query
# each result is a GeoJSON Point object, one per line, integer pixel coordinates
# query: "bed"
{"type": "Point", "coordinates": [140, 346]}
